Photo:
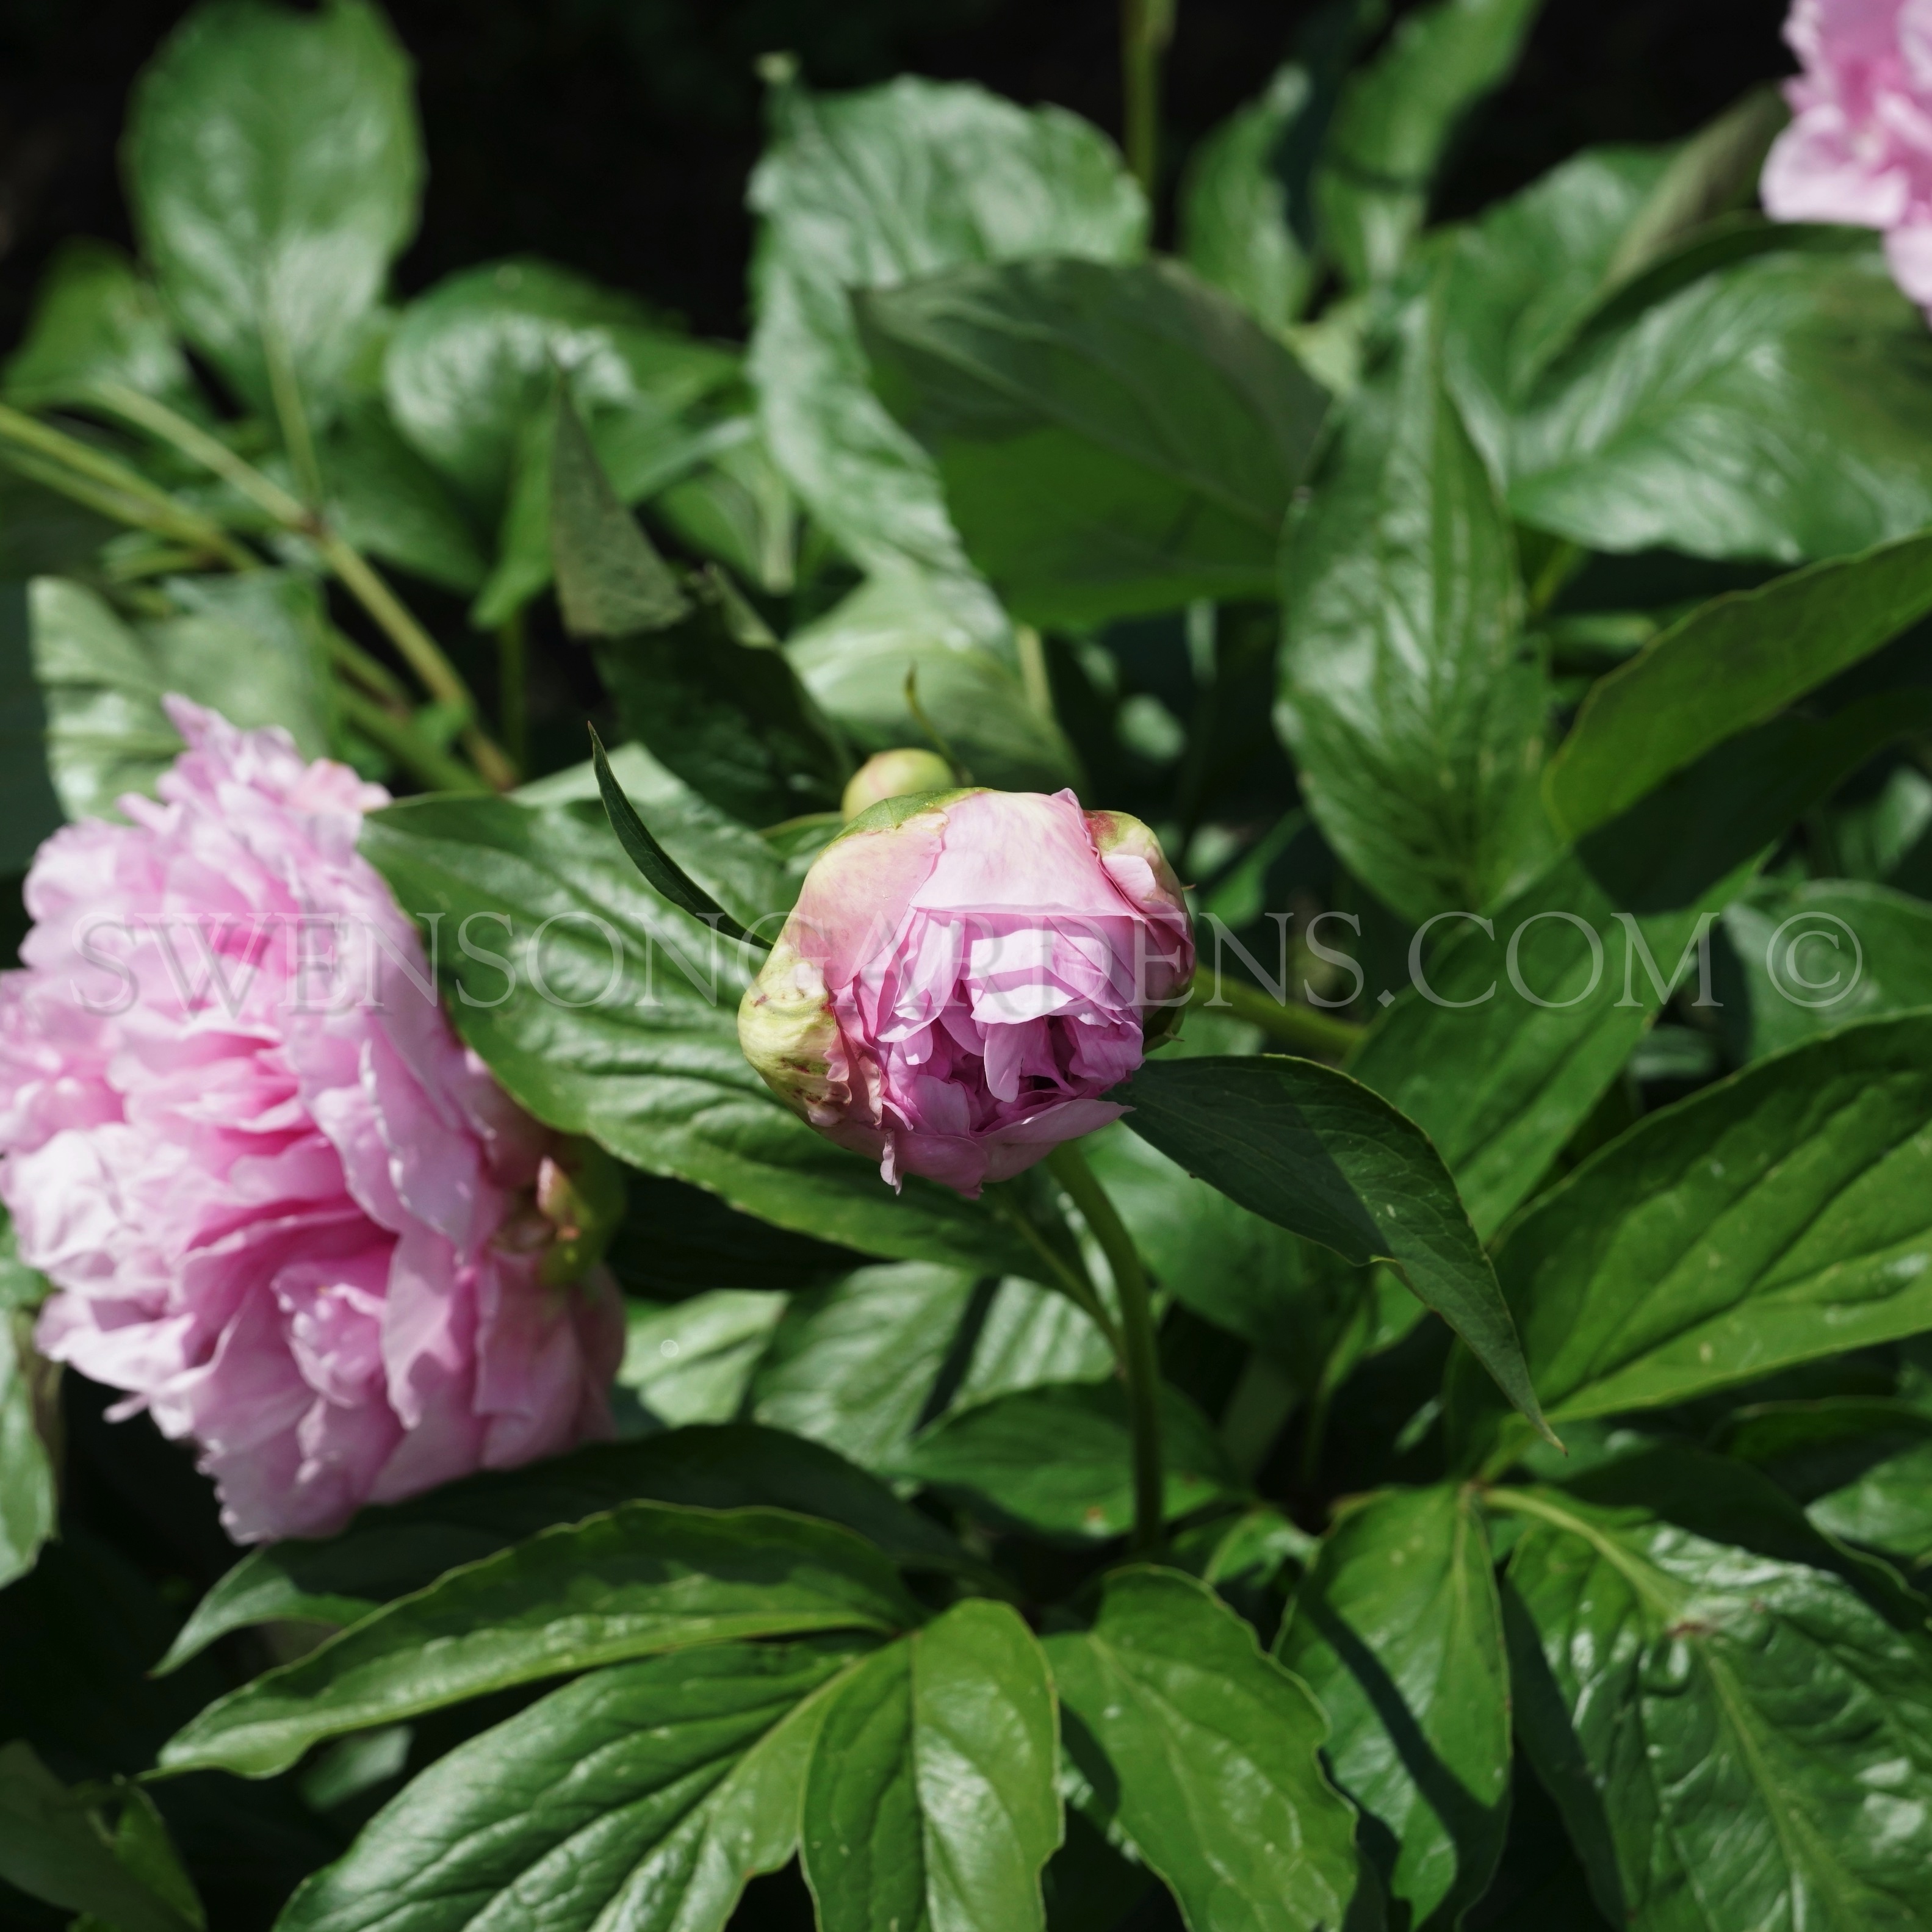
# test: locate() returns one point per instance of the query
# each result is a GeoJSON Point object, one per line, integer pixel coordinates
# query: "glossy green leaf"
{"type": "Point", "coordinates": [930, 1800]}
{"type": "Point", "coordinates": [868, 190]}
{"type": "Point", "coordinates": [696, 676]}
{"type": "Point", "coordinates": [738, 508]}
{"type": "Point", "coordinates": [1500, 1082]}
{"type": "Point", "coordinates": [1396, 118]}
{"type": "Point", "coordinates": [1524, 277]}
{"type": "Point", "coordinates": [1398, 1631]}
{"type": "Point", "coordinates": [1201, 1752]}
{"type": "Point", "coordinates": [1735, 1739]}
{"type": "Point", "coordinates": [693, 1361]}
{"type": "Point", "coordinates": [54, 1847]}
{"type": "Point", "coordinates": [30, 808]}
{"type": "Point", "coordinates": [249, 646]}
{"type": "Point", "coordinates": [392, 1550]}
{"type": "Point", "coordinates": [1414, 710]}
{"type": "Point", "coordinates": [1319, 1154]}
{"type": "Point", "coordinates": [273, 161]}
{"type": "Point", "coordinates": [1859, 1465]}
{"type": "Point", "coordinates": [655, 865]}
{"type": "Point", "coordinates": [855, 659]}
{"type": "Point", "coordinates": [1710, 174]}
{"type": "Point", "coordinates": [645, 1577]}
{"type": "Point", "coordinates": [1781, 1215]}
{"type": "Point", "coordinates": [649, 1067]}
{"type": "Point", "coordinates": [1730, 663]}
{"type": "Point", "coordinates": [1817, 956]}
{"type": "Point", "coordinates": [1532, 272]}
{"type": "Point", "coordinates": [389, 502]}
{"type": "Point", "coordinates": [28, 1502]}
{"type": "Point", "coordinates": [1240, 1270]}
{"type": "Point", "coordinates": [1888, 1507]}
{"type": "Point", "coordinates": [1112, 439]}
{"type": "Point", "coordinates": [644, 1795]}
{"type": "Point", "coordinates": [1237, 229]}
{"type": "Point", "coordinates": [1032, 1335]}
{"type": "Point", "coordinates": [1780, 407]}
{"type": "Point", "coordinates": [1058, 1459]}
{"type": "Point", "coordinates": [853, 1365]}
{"type": "Point", "coordinates": [96, 321]}
{"type": "Point", "coordinates": [473, 360]}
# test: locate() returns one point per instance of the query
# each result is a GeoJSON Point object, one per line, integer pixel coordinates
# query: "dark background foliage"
{"type": "Point", "coordinates": [616, 135]}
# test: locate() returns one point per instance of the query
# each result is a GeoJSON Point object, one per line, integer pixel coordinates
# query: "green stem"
{"type": "Point", "coordinates": [1059, 1273]}
{"type": "Point", "coordinates": [420, 651]}
{"type": "Point", "coordinates": [1287, 1021]}
{"type": "Point", "coordinates": [1146, 28]}
{"type": "Point", "coordinates": [293, 418]}
{"type": "Point", "coordinates": [513, 704]}
{"type": "Point", "coordinates": [104, 483]}
{"type": "Point", "coordinates": [403, 742]}
{"type": "Point", "coordinates": [1030, 649]}
{"type": "Point", "coordinates": [370, 673]}
{"type": "Point", "coordinates": [1068, 1165]}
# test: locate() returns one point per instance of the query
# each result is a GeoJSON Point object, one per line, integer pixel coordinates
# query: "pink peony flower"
{"type": "Point", "coordinates": [1860, 150]}
{"type": "Point", "coordinates": [964, 974]}
{"type": "Point", "coordinates": [285, 1209]}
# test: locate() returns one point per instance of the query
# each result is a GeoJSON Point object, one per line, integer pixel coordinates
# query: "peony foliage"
{"type": "Point", "coordinates": [1183, 1178]}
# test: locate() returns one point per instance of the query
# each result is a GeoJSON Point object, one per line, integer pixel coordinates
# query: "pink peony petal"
{"type": "Point", "coordinates": [268, 1212]}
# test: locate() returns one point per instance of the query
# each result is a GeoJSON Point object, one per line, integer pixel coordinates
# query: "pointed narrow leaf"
{"type": "Point", "coordinates": [931, 1799]}
{"type": "Point", "coordinates": [1783, 1214]}
{"type": "Point", "coordinates": [1396, 120]}
{"type": "Point", "coordinates": [1202, 1752]}
{"type": "Point", "coordinates": [1320, 1154]}
{"type": "Point", "coordinates": [659, 868]}
{"type": "Point", "coordinates": [392, 1550]}
{"type": "Point", "coordinates": [1729, 664]}
{"type": "Point", "coordinates": [646, 1577]}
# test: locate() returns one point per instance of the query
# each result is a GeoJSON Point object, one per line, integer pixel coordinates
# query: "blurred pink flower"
{"type": "Point", "coordinates": [294, 1221]}
{"type": "Point", "coordinates": [1860, 148]}
{"type": "Point", "coordinates": [958, 986]}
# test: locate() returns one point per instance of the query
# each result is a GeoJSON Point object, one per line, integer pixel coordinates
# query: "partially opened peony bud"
{"type": "Point", "coordinates": [894, 775]}
{"type": "Point", "coordinates": [964, 975]}
{"type": "Point", "coordinates": [287, 1210]}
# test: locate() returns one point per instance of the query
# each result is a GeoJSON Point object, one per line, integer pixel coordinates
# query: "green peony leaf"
{"type": "Point", "coordinates": [1057, 1459]}
{"type": "Point", "coordinates": [645, 1578]}
{"type": "Point", "coordinates": [1398, 1631]}
{"type": "Point", "coordinates": [1415, 710]}
{"type": "Point", "coordinates": [274, 161]}
{"type": "Point", "coordinates": [930, 1799]}
{"type": "Point", "coordinates": [1317, 1153]}
{"type": "Point", "coordinates": [1735, 1736]}
{"type": "Point", "coordinates": [1395, 119]}
{"type": "Point", "coordinates": [644, 1794]}
{"type": "Point", "coordinates": [1201, 1752]}
{"type": "Point", "coordinates": [394, 1550]}
{"type": "Point", "coordinates": [866, 190]}
{"type": "Point", "coordinates": [1779, 1216]}
{"type": "Point", "coordinates": [1112, 439]}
